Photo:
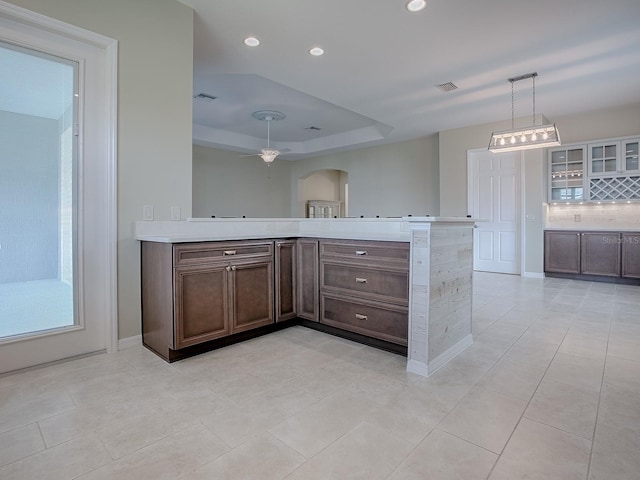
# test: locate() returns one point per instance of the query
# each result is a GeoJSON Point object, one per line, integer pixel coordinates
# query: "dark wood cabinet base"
{"type": "Point", "coordinates": [594, 278]}
{"type": "Point", "coordinates": [175, 355]}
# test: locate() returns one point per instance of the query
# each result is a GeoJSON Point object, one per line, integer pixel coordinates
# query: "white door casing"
{"type": "Point", "coordinates": [494, 193]}
{"type": "Point", "coordinates": [97, 305]}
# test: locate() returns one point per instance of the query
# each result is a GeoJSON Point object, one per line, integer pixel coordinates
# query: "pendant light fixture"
{"type": "Point", "coordinates": [527, 138]}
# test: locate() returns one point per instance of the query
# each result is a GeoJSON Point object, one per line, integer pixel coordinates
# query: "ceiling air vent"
{"type": "Point", "coordinates": [313, 129]}
{"type": "Point", "coordinates": [204, 97]}
{"type": "Point", "coordinates": [447, 87]}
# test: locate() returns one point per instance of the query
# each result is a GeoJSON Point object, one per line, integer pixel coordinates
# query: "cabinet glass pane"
{"type": "Point", "coordinates": [559, 157]}
{"type": "Point", "coordinates": [597, 152]}
{"type": "Point", "coordinates": [631, 156]}
{"type": "Point", "coordinates": [610, 151]}
{"type": "Point", "coordinates": [597, 166]}
{"type": "Point", "coordinates": [575, 155]}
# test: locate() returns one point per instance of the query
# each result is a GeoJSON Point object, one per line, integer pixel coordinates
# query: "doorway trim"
{"type": "Point", "coordinates": [521, 200]}
{"type": "Point", "coordinates": [35, 20]}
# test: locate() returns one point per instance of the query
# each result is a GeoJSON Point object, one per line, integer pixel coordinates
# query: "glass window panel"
{"type": "Point", "coordinates": [37, 191]}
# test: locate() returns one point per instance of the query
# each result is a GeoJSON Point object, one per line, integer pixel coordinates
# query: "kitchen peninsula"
{"type": "Point", "coordinates": [405, 281]}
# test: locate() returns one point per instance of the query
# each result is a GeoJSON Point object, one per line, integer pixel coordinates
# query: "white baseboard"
{"type": "Point", "coordinates": [441, 360]}
{"type": "Point", "coordinates": [129, 342]}
{"type": "Point", "coordinates": [533, 275]}
{"type": "Point", "coordinates": [418, 368]}
{"type": "Point", "coordinates": [434, 365]}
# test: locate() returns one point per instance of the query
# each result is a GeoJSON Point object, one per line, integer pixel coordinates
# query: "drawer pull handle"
{"type": "Point", "coordinates": [361, 252]}
{"type": "Point", "coordinates": [361, 280]}
{"type": "Point", "coordinates": [229, 252]}
{"type": "Point", "coordinates": [360, 317]}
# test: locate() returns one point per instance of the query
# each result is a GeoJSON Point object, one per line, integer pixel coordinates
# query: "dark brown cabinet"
{"type": "Point", "coordinates": [600, 254]}
{"type": "Point", "coordinates": [286, 273]}
{"type": "Point", "coordinates": [201, 304]}
{"type": "Point", "coordinates": [610, 256]}
{"type": "Point", "coordinates": [307, 279]}
{"type": "Point", "coordinates": [251, 293]}
{"type": "Point", "coordinates": [364, 288]}
{"type": "Point", "coordinates": [562, 252]}
{"type": "Point", "coordinates": [630, 255]}
{"type": "Point", "coordinates": [196, 292]}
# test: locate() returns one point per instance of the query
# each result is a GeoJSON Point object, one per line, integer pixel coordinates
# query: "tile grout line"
{"type": "Point", "coordinates": [530, 399]}
{"type": "Point", "coordinates": [604, 369]}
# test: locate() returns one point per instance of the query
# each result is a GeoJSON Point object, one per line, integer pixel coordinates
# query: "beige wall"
{"type": "Point", "coordinates": [155, 78]}
{"type": "Point", "coordinates": [388, 180]}
{"type": "Point", "coordinates": [454, 144]}
{"type": "Point", "coordinates": [226, 184]}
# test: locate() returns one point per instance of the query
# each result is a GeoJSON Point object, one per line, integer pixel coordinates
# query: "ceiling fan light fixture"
{"type": "Point", "coordinates": [251, 42]}
{"type": "Point", "coordinates": [416, 5]}
{"type": "Point", "coordinates": [534, 136]}
{"type": "Point", "coordinates": [269, 155]}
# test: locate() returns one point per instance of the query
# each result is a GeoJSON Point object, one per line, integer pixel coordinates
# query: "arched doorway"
{"type": "Point", "coordinates": [324, 186]}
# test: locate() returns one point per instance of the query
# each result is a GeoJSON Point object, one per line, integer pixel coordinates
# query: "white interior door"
{"type": "Point", "coordinates": [57, 238]}
{"type": "Point", "coordinates": [494, 198]}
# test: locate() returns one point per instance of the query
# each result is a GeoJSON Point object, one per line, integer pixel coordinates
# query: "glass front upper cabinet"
{"type": "Point", "coordinates": [566, 172]}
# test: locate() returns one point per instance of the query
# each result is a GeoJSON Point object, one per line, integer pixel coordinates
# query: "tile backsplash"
{"type": "Point", "coordinates": [606, 216]}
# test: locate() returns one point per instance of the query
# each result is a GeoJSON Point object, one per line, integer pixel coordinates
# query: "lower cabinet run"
{"type": "Point", "coordinates": [193, 293]}
{"type": "Point", "coordinates": [605, 256]}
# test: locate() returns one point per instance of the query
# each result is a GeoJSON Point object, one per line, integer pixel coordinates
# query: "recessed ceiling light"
{"type": "Point", "coordinates": [251, 42]}
{"type": "Point", "coordinates": [316, 51]}
{"type": "Point", "coordinates": [416, 5]}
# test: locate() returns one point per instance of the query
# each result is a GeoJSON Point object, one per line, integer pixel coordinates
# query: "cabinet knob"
{"type": "Point", "coordinates": [233, 268]}
{"type": "Point", "coordinates": [360, 317]}
{"type": "Point", "coordinates": [361, 252]}
{"type": "Point", "coordinates": [361, 280]}
{"type": "Point", "coordinates": [227, 268]}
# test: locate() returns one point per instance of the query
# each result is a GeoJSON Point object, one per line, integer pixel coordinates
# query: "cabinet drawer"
{"type": "Point", "coordinates": [215, 252]}
{"type": "Point", "coordinates": [377, 283]}
{"type": "Point", "coordinates": [383, 321]}
{"type": "Point", "coordinates": [366, 252]}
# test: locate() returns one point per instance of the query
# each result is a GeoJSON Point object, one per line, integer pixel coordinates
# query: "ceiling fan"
{"type": "Point", "coordinates": [268, 154]}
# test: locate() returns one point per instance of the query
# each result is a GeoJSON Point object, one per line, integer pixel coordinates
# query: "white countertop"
{"type": "Point", "coordinates": [220, 229]}
{"type": "Point", "coordinates": [593, 229]}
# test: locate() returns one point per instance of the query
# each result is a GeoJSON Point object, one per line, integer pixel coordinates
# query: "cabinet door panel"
{"type": "Point", "coordinates": [600, 254]}
{"type": "Point", "coordinates": [562, 252]}
{"type": "Point", "coordinates": [285, 280]}
{"type": "Point", "coordinates": [307, 291]}
{"type": "Point", "coordinates": [202, 305]}
{"type": "Point", "coordinates": [631, 255]}
{"type": "Point", "coordinates": [252, 291]}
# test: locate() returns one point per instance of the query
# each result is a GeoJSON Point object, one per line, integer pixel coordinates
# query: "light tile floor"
{"type": "Point", "coordinates": [550, 389]}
